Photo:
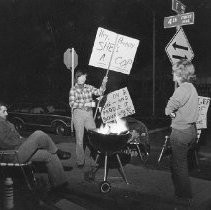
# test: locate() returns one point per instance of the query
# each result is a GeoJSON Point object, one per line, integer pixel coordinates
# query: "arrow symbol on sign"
{"type": "Point", "coordinates": [175, 45]}
{"type": "Point", "coordinates": [179, 57]}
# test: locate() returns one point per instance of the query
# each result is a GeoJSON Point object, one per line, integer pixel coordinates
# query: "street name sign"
{"type": "Point", "coordinates": [178, 7]}
{"type": "Point", "coordinates": [179, 20]}
{"type": "Point", "coordinates": [179, 47]}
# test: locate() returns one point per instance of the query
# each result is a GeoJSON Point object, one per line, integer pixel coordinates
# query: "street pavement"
{"type": "Point", "coordinates": [148, 188]}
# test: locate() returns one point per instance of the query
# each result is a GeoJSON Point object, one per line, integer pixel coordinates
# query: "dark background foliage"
{"type": "Point", "coordinates": [34, 34]}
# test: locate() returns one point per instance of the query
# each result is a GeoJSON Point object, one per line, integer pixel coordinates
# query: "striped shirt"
{"type": "Point", "coordinates": [79, 96]}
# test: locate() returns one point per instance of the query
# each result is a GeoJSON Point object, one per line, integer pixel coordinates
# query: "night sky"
{"type": "Point", "coordinates": [35, 34]}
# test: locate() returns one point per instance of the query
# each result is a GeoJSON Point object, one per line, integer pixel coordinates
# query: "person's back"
{"type": "Point", "coordinates": [183, 108]}
{"type": "Point", "coordinates": [187, 96]}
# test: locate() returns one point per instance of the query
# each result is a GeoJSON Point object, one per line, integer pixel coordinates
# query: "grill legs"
{"type": "Point", "coordinates": [122, 172]}
{"type": "Point", "coordinates": [120, 168]}
{"type": "Point", "coordinates": [106, 167]}
{"type": "Point", "coordinates": [104, 185]}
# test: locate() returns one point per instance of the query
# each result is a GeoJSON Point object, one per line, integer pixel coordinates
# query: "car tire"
{"type": "Point", "coordinates": [61, 129]}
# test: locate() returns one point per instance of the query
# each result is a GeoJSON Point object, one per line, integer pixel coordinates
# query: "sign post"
{"type": "Point", "coordinates": [179, 47]}
{"type": "Point", "coordinates": [71, 62]}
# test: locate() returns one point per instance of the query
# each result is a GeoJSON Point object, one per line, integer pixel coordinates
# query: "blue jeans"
{"type": "Point", "coordinates": [40, 147]}
{"type": "Point", "coordinates": [181, 141]}
{"type": "Point", "coordinates": [82, 119]}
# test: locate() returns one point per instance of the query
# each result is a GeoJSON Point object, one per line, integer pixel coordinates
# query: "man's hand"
{"type": "Point", "coordinates": [99, 98]}
{"type": "Point", "coordinates": [93, 104]}
{"type": "Point", "coordinates": [172, 115]}
{"type": "Point", "coordinates": [105, 79]}
{"type": "Point", "coordinates": [90, 104]}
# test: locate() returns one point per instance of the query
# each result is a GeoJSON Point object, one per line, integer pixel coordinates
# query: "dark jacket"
{"type": "Point", "coordinates": [9, 137]}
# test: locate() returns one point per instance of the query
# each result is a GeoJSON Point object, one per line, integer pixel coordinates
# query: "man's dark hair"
{"type": "Point", "coordinates": [79, 73]}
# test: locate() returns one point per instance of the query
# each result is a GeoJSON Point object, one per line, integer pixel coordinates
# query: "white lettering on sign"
{"type": "Point", "coordinates": [103, 48]}
{"type": "Point", "coordinates": [118, 104]}
{"type": "Point", "coordinates": [172, 20]}
{"type": "Point", "coordinates": [204, 103]}
{"type": "Point", "coordinates": [179, 20]}
{"type": "Point", "coordinates": [113, 51]}
{"type": "Point", "coordinates": [124, 54]}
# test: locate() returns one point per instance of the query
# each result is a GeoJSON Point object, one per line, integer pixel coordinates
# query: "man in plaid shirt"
{"type": "Point", "coordinates": [81, 102]}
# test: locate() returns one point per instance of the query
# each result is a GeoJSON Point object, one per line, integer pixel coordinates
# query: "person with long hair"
{"type": "Point", "coordinates": [183, 108]}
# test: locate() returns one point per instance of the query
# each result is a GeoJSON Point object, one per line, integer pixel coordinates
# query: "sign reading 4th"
{"type": "Point", "coordinates": [179, 47]}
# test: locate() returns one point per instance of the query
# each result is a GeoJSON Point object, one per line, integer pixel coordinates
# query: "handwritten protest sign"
{"type": "Point", "coordinates": [204, 103]}
{"type": "Point", "coordinates": [119, 104]}
{"type": "Point", "coordinates": [124, 55]}
{"type": "Point", "coordinates": [113, 51]}
{"type": "Point", "coordinates": [103, 48]}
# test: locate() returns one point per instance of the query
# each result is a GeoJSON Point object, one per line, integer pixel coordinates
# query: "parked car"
{"type": "Point", "coordinates": [54, 117]}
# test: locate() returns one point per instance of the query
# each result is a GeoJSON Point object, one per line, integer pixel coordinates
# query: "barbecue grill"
{"type": "Point", "coordinates": [108, 145]}
{"type": "Point", "coordinates": [114, 150]}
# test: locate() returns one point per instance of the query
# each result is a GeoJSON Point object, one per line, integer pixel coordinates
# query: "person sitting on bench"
{"type": "Point", "coordinates": [37, 147]}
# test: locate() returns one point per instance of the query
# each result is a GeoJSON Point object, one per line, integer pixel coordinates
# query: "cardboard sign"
{"type": "Point", "coordinates": [204, 103]}
{"type": "Point", "coordinates": [119, 104]}
{"type": "Point", "coordinates": [113, 51]}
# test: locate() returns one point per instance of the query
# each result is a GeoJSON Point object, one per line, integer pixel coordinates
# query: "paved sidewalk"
{"type": "Point", "coordinates": [148, 189]}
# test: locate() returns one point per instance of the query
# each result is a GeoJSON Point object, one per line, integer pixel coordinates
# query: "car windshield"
{"type": "Point", "coordinates": [58, 109]}
{"type": "Point", "coordinates": [23, 108]}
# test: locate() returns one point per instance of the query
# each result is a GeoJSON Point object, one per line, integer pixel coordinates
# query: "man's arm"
{"type": "Point", "coordinates": [178, 99]}
{"type": "Point", "coordinates": [101, 90]}
{"type": "Point", "coordinates": [9, 137]}
{"type": "Point", "coordinates": [3, 133]}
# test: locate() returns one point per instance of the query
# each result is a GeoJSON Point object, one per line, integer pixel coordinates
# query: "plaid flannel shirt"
{"type": "Point", "coordinates": [79, 96]}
